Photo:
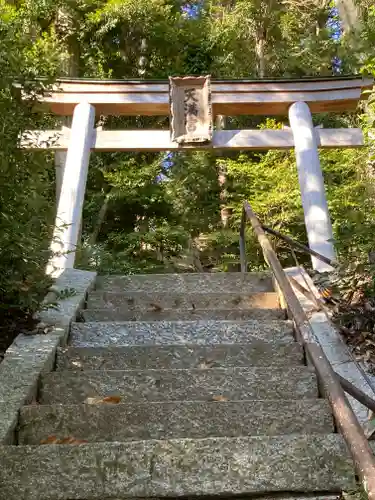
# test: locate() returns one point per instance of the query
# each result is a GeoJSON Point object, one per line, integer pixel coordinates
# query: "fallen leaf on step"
{"type": "Point", "coordinates": [204, 365]}
{"type": "Point", "coordinates": [105, 400]}
{"type": "Point", "coordinates": [71, 440]}
{"type": "Point", "coordinates": [49, 440]}
{"type": "Point", "coordinates": [66, 440]}
{"type": "Point", "coordinates": [78, 364]}
{"type": "Point", "coordinates": [93, 401]}
{"type": "Point", "coordinates": [237, 301]}
{"type": "Point", "coordinates": [112, 399]}
{"type": "Point", "coordinates": [177, 303]}
{"type": "Point", "coordinates": [219, 398]}
{"type": "Point", "coordinates": [156, 307]}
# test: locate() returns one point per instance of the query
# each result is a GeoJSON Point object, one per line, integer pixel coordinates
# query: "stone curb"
{"type": "Point", "coordinates": [333, 345]}
{"type": "Point", "coordinates": [30, 355]}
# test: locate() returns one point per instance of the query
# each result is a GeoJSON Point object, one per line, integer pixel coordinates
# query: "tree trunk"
{"type": "Point", "coordinates": [225, 212]}
{"type": "Point", "coordinates": [142, 226]}
{"type": "Point", "coordinates": [195, 255]}
{"type": "Point", "coordinates": [350, 15]}
{"type": "Point", "coordinates": [142, 61]}
{"type": "Point", "coordinates": [260, 46]}
{"type": "Point", "coordinates": [64, 26]}
{"type": "Point", "coordinates": [370, 164]}
{"type": "Point", "coordinates": [101, 218]}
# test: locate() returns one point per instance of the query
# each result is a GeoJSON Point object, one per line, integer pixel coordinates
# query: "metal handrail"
{"type": "Point", "coordinates": [298, 245]}
{"type": "Point", "coordinates": [283, 237]}
{"type": "Point", "coordinates": [346, 420]}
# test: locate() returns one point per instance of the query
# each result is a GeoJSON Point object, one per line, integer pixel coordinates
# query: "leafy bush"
{"type": "Point", "coordinates": [136, 252]}
{"type": "Point", "coordinates": [27, 191]}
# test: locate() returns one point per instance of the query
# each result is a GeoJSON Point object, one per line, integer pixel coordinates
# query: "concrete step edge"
{"type": "Point", "coordinates": [178, 332]}
{"type": "Point", "coordinates": [187, 281]}
{"type": "Point", "coordinates": [119, 314]}
{"type": "Point", "coordinates": [220, 322]}
{"type": "Point", "coordinates": [184, 419]}
{"type": "Point", "coordinates": [182, 300]}
{"type": "Point", "coordinates": [179, 384]}
{"type": "Point", "coordinates": [233, 369]}
{"type": "Point", "coordinates": [256, 353]}
{"type": "Point", "coordinates": [179, 467]}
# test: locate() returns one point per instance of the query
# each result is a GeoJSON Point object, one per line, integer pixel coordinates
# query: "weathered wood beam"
{"type": "Point", "coordinates": [115, 86]}
{"type": "Point", "coordinates": [229, 97]}
{"type": "Point", "coordinates": [223, 103]}
{"type": "Point", "coordinates": [159, 140]}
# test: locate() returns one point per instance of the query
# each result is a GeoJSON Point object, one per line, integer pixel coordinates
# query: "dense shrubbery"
{"type": "Point", "coordinates": [157, 212]}
{"type": "Point", "coordinates": [26, 194]}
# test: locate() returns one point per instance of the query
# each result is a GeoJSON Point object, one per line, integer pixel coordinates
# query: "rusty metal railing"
{"type": "Point", "coordinates": [346, 420]}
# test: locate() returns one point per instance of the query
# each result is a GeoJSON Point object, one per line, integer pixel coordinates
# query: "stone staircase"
{"type": "Point", "coordinates": [178, 386]}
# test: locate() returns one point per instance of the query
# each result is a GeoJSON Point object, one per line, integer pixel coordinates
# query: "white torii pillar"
{"type": "Point", "coordinates": [314, 201]}
{"type": "Point", "coordinates": [70, 204]}
{"type": "Point", "coordinates": [60, 160]}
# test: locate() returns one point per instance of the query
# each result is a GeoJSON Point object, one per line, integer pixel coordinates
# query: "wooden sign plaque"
{"type": "Point", "coordinates": [190, 109]}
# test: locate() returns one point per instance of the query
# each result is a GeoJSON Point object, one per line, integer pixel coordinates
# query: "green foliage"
{"type": "Point", "coordinates": [25, 197]}
{"type": "Point", "coordinates": [113, 33]}
{"type": "Point", "coordinates": [291, 38]}
{"type": "Point", "coordinates": [193, 189]}
{"type": "Point", "coordinates": [226, 39]}
{"type": "Point", "coordinates": [220, 250]}
{"type": "Point", "coordinates": [128, 253]}
{"type": "Point", "coordinates": [143, 212]}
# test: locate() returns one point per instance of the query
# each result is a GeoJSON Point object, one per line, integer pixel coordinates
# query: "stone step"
{"type": "Point", "coordinates": [158, 302]}
{"type": "Point", "coordinates": [334, 496]}
{"type": "Point", "coordinates": [121, 422]}
{"type": "Point", "coordinates": [188, 283]}
{"type": "Point", "coordinates": [257, 353]}
{"type": "Point", "coordinates": [277, 496]}
{"type": "Point", "coordinates": [235, 384]}
{"type": "Point", "coordinates": [179, 467]}
{"type": "Point", "coordinates": [139, 314]}
{"type": "Point", "coordinates": [97, 334]}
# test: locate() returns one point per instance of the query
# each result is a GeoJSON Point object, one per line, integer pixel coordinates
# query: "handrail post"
{"type": "Point", "coordinates": [347, 422]}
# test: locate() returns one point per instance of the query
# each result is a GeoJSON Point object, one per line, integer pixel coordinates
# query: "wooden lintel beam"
{"type": "Point", "coordinates": [223, 103]}
{"type": "Point", "coordinates": [229, 97]}
{"type": "Point", "coordinates": [116, 86]}
{"type": "Point", "coordinates": [218, 98]}
{"type": "Point", "coordinates": [159, 140]}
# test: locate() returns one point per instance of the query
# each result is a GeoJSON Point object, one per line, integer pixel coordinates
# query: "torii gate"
{"type": "Point", "coordinates": [192, 102]}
